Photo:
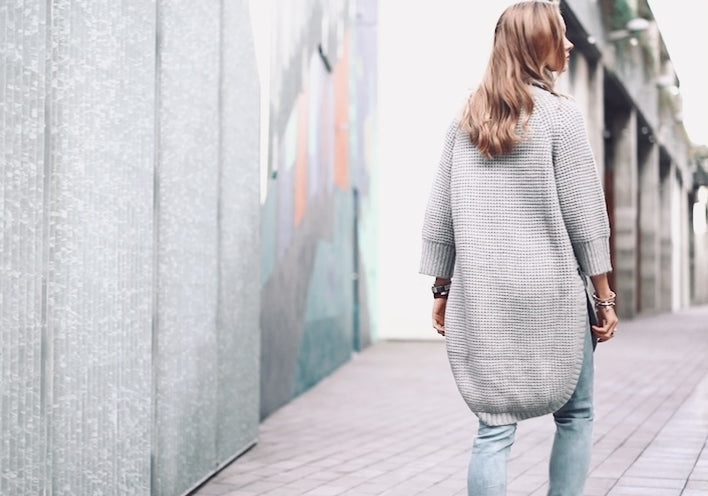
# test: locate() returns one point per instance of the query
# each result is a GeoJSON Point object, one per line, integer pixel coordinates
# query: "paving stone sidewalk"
{"type": "Point", "coordinates": [391, 422]}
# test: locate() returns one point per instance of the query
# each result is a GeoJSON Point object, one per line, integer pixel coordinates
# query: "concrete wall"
{"type": "Point", "coordinates": [128, 322]}
{"type": "Point", "coordinates": [318, 213]}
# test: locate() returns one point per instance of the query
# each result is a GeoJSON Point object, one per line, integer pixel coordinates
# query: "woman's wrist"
{"type": "Point", "coordinates": [441, 288]}
{"type": "Point", "coordinates": [441, 291]}
{"type": "Point", "coordinates": [602, 287]}
{"type": "Point", "coordinates": [605, 301]}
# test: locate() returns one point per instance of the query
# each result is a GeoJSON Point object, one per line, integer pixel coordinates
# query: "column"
{"type": "Point", "coordinates": [700, 248]}
{"type": "Point", "coordinates": [665, 242]}
{"type": "Point", "coordinates": [649, 203]}
{"type": "Point", "coordinates": [596, 114]}
{"type": "Point", "coordinates": [676, 237]}
{"type": "Point", "coordinates": [624, 163]}
{"type": "Point", "coordinates": [684, 249]}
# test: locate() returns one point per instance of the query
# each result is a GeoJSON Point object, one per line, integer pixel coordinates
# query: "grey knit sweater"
{"type": "Point", "coordinates": [517, 230]}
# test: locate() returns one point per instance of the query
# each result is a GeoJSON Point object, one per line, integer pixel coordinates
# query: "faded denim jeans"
{"type": "Point", "coordinates": [572, 444]}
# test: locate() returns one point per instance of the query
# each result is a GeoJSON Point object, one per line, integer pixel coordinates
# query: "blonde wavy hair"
{"type": "Point", "coordinates": [528, 48]}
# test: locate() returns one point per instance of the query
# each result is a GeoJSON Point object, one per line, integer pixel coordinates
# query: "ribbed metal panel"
{"type": "Point", "coordinates": [188, 266]}
{"type": "Point", "coordinates": [99, 233]}
{"type": "Point", "coordinates": [239, 220]}
{"type": "Point", "coordinates": [22, 246]}
{"type": "Point", "coordinates": [129, 338]}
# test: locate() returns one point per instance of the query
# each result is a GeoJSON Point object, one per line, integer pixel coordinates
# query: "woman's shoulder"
{"type": "Point", "coordinates": [453, 128]}
{"type": "Point", "coordinates": [556, 106]}
{"type": "Point", "coordinates": [544, 97]}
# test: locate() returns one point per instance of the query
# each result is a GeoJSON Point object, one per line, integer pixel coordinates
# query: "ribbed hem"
{"type": "Point", "coordinates": [437, 259]}
{"type": "Point", "coordinates": [594, 256]}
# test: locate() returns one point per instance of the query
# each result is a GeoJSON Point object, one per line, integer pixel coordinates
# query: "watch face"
{"type": "Point", "coordinates": [440, 289]}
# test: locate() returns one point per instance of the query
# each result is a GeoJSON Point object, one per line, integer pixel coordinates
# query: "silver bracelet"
{"type": "Point", "coordinates": [609, 302]}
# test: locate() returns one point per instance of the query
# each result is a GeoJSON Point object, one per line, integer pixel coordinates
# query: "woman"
{"type": "Point", "coordinates": [517, 210]}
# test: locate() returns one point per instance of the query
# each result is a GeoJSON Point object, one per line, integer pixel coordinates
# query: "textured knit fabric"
{"type": "Point", "coordinates": [516, 230]}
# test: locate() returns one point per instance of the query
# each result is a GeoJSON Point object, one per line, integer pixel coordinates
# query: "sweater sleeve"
{"type": "Point", "coordinates": [438, 251]}
{"type": "Point", "coordinates": [580, 194]}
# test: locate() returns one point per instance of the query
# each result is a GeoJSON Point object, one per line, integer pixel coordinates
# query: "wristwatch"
{"type": "Point", "coordinates": [441, 291]}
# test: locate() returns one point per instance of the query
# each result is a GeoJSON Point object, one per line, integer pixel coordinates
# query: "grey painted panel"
{"type": "Point", "coordinates": [99, 279]}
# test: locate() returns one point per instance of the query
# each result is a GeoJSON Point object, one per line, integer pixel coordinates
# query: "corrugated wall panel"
{"type": "Point", "coordinates": [188, 266]}
{"type": "Point", "coordinates": [238, 329]}
{"type": "Point", "coordinates": [128, 321]}
{"type": "Point", "coordinates": [22, 96]}
{"type": "Point", "coordinates": [99, 275]}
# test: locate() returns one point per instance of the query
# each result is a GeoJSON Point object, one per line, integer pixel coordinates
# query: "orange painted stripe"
{"type": "Point", "coordinates": [301, 160]}
{"type": "Point", "coordinates": [341, 118]}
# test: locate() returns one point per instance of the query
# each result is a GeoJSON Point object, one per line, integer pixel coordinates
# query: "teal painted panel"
{"type": "Point", "coordinates": [327, 340]}
{"type": "Point", "coordinates": [325, 346]}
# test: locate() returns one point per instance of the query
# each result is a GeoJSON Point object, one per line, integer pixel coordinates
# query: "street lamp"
{"type": "Point", "coordinates": [632, 28]}
{"type": "Point", "coordinates": [669, 83]}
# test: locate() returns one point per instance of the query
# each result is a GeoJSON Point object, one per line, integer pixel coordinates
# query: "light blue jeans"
{"type": "Point", "coordinates": [572, 444]}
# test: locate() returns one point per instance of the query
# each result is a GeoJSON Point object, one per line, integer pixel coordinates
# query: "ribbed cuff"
{"type": "Point", "coordinates": [594, 256]}
{"type": "Point", "coordinates": [437, 259]}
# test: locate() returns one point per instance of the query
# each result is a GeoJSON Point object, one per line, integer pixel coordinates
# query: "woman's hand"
{"type": "Point", "coordinates": [604, 305]}
{"type": "Point", "coordinates": [439, 305]}
{"type": "Point", "coordinates": [609, 320]}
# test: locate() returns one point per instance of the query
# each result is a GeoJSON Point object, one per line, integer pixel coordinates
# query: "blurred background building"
{"type": "Point", "coordinates": [623, 79]}
{"type": "Point", "coordinates": [207, 207]}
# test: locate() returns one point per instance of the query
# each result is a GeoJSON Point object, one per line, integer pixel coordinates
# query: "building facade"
{"type": "Point", "coordinates": [622, 76]}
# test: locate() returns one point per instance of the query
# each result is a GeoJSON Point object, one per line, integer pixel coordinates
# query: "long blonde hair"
{"type": "Point", "coordinates": [528, 35]}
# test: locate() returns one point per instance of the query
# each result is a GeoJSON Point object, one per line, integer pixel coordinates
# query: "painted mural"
{"type": "Point", "coordinates": [318, 224]}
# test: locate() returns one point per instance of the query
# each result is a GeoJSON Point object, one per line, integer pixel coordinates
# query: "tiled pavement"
{"type": "Point", "coordinates": [391, 422]}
